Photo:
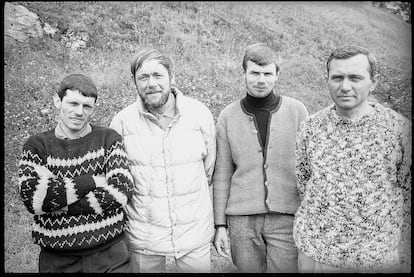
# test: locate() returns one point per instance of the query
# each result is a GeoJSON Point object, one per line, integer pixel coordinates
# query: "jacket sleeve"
{"type": "Point", "coordinates": [42, 191]}
{"type": "Point", "coordinates": [223, 171]}
{"type": "Point", "coordinates": [303, 170]}
{"type": "Point", "coordinates": [116, 192]}
{"type": "Point", "coordinates": [209, 135]}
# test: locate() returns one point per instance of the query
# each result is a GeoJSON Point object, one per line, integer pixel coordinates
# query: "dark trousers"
{"type": "Point", "coordinates": [112, 259]}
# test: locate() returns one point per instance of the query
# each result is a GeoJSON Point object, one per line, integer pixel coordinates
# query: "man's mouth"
{"type": "Point", "coordinates": [77, 119]}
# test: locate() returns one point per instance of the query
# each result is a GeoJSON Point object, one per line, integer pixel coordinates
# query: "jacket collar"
{"type": "Point", "coordinates": [179, 105]}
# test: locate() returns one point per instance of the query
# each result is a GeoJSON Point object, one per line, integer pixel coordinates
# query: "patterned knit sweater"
{"type": "Point", "coordinates": [353, 175]}
{"type": "Point", "coordinates": [71, 212]}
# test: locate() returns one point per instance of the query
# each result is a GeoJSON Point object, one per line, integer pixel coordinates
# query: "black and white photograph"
{"type": "Point", "coordinates": [207, 137]}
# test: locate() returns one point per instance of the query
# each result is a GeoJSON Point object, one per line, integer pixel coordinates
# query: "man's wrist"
{"type": "Point", "coordinates": [220, 225]}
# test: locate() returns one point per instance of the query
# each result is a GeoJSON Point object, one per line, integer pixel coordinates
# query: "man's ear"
{"type": "Point", "coordinates": [375, 82]}
{"type": "Point", "coordinates": [278, 74]}
{"type": "Point", "coordinates": [57, 101]}
{"type": "Point", "coordinates": [172, 80]}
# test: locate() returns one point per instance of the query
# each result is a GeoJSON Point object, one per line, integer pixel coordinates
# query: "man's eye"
{"type": "Point", "coordinates": [142, 78]}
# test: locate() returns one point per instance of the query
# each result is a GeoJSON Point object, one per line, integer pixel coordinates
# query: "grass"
{"type": "Point", "coordinates": [206, 41]}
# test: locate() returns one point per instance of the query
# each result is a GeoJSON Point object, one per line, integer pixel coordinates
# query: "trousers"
{"type": "Point", "coordinates": [263, 243]}
{"type": "Point", "coordinates": [112, 259]}
{"type": "Point", "coordinates": [308, 265]}
{"type": "Point", "coordinates": [198, 261]}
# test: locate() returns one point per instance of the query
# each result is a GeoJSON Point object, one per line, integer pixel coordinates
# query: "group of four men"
{"type": "Point", "coordinates": [291, 192]}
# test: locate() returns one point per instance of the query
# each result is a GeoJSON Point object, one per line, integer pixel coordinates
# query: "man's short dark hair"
{"type": "Point", "coordinates": [260, 54]}
{"type": "Point", "coordinates": [79, 82]}
{"type": "Point", "coordinates": [349, 51]}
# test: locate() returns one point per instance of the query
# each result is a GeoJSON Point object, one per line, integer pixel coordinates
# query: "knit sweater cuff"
{"type": "Point", "coordinates": [84, 184]}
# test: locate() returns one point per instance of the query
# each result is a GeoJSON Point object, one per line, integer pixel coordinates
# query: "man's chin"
{"type": "Point", "coordinates": [155, 104]}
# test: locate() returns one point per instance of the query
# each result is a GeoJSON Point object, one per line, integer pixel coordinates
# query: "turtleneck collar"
{"type": "Point", "coordinates": [264, 102]}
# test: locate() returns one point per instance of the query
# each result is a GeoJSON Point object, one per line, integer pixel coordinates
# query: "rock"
{"type": "Point", "coordinates": [49, 30]}
{"type": "Point", "coordinates": [75, 39]}
{"type": "Point", "coordinates": [45, 112]}
{"type": "Point", "coordinates": [20, 23]}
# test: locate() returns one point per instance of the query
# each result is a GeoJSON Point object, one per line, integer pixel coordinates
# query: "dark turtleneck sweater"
{"type": "Point", "coordinates": [261, 108]}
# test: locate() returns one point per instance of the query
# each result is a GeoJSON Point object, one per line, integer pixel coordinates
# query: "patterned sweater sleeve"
{"type": "Point", "coordinates": [303, 171]}
{"type": "Point", "coordinates": [41, 190]}
{"type": "Point", "coordinates": [116, 192]}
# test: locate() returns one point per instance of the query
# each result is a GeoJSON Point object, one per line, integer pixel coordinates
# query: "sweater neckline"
{"type": "Point", "coordinates": [77, 140]}
{"type": "Point", "coordinates": [362, 120]}
{"type": "Point", "coordinates": [264, 102]}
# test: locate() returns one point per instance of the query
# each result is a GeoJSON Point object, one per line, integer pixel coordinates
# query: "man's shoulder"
{"type": "Point", "coordinates": [127, 110]}
{"type": "Point", "coordinates": [392, 114]}
{"type": "Point", "coordinates": [231, 108]}
{"type": "Point", "coordinates": [318, 117]}
{"type": "Point", "coordinates": [193, 106]}
{"type": "Point", "coordinates": [41, 137]}
{"type": "Point", "coordinates": [392, 118]}
{"type": "Point", "coordinates": [102, 131]}
{"type": "Point", "coordinates": [192, 102]}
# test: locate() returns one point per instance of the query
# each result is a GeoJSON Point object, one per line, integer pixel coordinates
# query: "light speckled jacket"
{"type": "Point", "coordinates": [352, 176]}
{"type": "Point", "coordinates": [171, 210]}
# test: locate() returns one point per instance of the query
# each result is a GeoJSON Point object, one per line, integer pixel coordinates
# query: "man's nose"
{"type": "Point", "coordinates": [346, 85]}
{"type": "Point", "coordinates": [151, 81]}
{"type": "Point", "coordinates": [79, 110]}
{"type": "Point", "coordinates": [261, 78]}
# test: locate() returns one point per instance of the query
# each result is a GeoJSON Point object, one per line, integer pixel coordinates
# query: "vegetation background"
{"type": "Point", "coordinates": [206, 40]}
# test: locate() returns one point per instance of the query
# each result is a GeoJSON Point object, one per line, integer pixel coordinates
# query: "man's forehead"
{"type": "Point", "coordinates": [76, 94]}
{"type": "Point", "coordinates": [254, 66]}
{"type": "Point", "coordinates": [357, 64]}
{"type": "Point", "coordinates": [151, 66]}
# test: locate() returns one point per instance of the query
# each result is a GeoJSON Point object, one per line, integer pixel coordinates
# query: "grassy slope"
{"type": "Point", "coordinates": [207, 41]}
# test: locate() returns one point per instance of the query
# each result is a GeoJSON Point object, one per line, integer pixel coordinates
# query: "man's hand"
{"type": "Point", "coordinates": [100, 180]}
{"type": "Point", "coordinates": [221, 242]}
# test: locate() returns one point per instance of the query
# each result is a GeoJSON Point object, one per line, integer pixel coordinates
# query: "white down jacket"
{"type": "Point", "coordinates": [171, 210]}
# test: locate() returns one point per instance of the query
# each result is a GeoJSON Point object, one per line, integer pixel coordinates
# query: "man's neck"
{"type": "Point", "coordinates": [62, 132]}
{"type": "Point", "coordinates": [357, 112]}
{"type": "Point", "coordinates": [263, 102]}
{"type": "Point", "coordinates": [168, 109]}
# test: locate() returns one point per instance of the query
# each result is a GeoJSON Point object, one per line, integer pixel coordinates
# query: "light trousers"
{"type": "Point", "coordinates": [197, 260]}
{"type": "Point", "coordinates": [263, 243]}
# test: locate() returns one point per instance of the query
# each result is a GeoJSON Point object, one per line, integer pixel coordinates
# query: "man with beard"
{"type": "Point", "coordinates": [170, 141]}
